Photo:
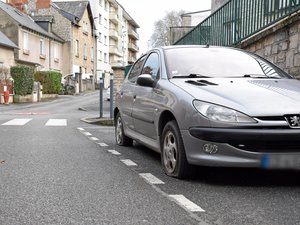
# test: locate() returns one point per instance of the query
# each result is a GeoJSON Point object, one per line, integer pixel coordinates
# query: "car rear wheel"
{"type": "Point", "coordinates": [173, 156]}
{"type": "Point", "coordinates": [121, 138]}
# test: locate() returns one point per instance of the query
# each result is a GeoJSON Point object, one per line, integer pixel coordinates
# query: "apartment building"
{"type": "Point", "coordinates": [117, 36]}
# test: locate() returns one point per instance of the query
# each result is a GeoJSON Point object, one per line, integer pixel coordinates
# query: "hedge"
{"type": "Point", "coordinates": [50, 80]}
{"type": "Point", "coordinates": [23, 79]}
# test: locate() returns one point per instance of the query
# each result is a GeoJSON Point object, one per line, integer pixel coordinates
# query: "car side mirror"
{"type": "Point", "coordinates": [145, 80]}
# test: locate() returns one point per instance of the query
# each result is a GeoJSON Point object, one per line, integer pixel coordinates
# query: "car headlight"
{"type": "Point", "coordinates": [221, 113]}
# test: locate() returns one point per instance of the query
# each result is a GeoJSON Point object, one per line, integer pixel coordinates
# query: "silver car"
{"type": "Point", "coordinates": [210, 106]}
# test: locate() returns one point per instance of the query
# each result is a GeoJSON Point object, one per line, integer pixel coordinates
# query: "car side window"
{"type": "Point", "coordinates": [152, 66]}
{"type": "Point", "coordinates": [136, 70]}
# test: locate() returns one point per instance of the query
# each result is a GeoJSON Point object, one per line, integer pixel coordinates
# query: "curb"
{"type": "Point", "coordinates": [104, 121]}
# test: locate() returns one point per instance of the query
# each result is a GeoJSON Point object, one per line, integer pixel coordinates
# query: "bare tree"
{"type": "Point", "coordinates": [161, 34]}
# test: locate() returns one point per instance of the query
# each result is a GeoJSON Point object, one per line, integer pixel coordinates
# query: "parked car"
{"type": "Point", "coordinates": [210, 106]}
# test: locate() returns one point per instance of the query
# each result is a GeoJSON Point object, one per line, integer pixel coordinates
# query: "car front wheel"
{"type": "Point", "coordinates": [121, 138]}
{"type": "Point", "coordinates": [173, 156]}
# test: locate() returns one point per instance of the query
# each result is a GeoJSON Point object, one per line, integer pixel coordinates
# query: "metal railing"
{"type": "Point", "coordinates": [238, 20]}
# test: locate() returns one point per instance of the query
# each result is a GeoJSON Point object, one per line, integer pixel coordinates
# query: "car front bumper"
{"type": "Point", "coordinates": [243, 147]}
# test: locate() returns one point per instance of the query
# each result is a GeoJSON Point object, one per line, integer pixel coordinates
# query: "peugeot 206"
{"type": "Point", "coordinates": [210, 106]}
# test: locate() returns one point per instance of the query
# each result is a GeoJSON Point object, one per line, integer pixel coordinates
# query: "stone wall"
{"type": "Point", "coordinates": [119, 75]}
{"type": "Point", "coordinates": [280, 44]}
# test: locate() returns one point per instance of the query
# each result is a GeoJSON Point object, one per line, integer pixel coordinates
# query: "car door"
{"type": "Point", "coordinates": [127, 93]}
{"type": "Point", "coordinates": [144, 105]}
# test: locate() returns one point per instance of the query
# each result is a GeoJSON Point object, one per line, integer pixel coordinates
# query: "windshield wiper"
{"type": "Point", "coordinates": [192, 75]}
{"type": "Point", "coordinates": [260, 76]}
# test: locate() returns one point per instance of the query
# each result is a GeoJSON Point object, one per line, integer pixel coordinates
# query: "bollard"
{"type": "Point", "coordinates": [111, 94]}
{"type": "Point", "coordinates": [6, 97]}
{"type": "Point", "coordinates": [101, 97]}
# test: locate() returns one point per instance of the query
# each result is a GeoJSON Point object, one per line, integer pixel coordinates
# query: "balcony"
{"type": "Point", "coordinates": [133, 47]}
{"type": "Point", "coordinates": [113, 17]}
{"type": "Point", "coordinates": [113, 50]}
{"type": "Point", "coordinates": [131, 59]}
{"type": "Point", "coordinates": [133, 34]}
{"type": "Point", "coordinates": [113, 34]}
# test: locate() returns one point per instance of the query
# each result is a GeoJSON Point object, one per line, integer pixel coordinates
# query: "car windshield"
{"type": "Point", "coordinates": [218, 63]}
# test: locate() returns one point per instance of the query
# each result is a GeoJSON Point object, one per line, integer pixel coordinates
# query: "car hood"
{"type": "Point", "coordinates": [255, 97]}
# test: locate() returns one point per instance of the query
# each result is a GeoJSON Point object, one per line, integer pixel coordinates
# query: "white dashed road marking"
{"type": "Point", "coordinates": [103, 144]}
{"type": "Point", "coordinates": [79, 128]}
{"type": "Point", "coordinates": [186, 203]}
{"type": "Point", "coordinates": [56, 122]}
{"type": "Point", "coordinates": [151, 178]}
{"type": "Point", "coordinates": [114, 152]}
{"type": "Point", "coordinates": [128, 162]}
{"type": "Point", "coordinates": [87, 133]}
{"type": "Point", "coordinates": [94, 139]}
{"type": "Point", "coordinates": [16, 122]}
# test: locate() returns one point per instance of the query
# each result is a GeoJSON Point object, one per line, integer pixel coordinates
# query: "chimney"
{"type": "Point", "coordinates": [43, 4]}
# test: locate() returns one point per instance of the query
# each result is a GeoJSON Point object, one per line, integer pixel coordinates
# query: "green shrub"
{"type": "Point", "coordinates": [23, 79]}
{"type": "Point", "coordinates": [50, 80]}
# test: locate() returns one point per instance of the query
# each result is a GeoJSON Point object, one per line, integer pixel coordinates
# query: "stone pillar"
{"type": "Point", "coordinates": [119, 76]}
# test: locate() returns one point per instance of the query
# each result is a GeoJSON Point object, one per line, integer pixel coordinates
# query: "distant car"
{"type": "Point", "coordinates": [210, 106]}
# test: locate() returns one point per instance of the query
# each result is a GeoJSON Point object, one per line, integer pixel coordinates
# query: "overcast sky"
{"type": "Point", "coordinates": [146, 12]}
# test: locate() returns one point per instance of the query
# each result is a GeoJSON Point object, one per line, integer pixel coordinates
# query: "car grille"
{"type": "Point", "coordinates": [269, 147]}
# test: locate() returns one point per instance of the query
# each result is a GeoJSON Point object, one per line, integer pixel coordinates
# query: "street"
{"type": "Point", "coordinates": [57, 169]}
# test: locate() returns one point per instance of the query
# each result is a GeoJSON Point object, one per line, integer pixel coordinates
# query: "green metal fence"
{"type": "Point", "coordinates": [237, 20]}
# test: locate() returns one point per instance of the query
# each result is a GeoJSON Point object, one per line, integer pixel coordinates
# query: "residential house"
{"type": "Point", "coordinates": [36, 47]}
{"type": "Point", "coordinates": [7, 60]}
{"type": "Point", "coordinates": [74, 23]}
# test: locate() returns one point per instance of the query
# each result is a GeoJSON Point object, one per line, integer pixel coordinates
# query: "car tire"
{"type": "Point", "coordinates": [121, 138]}
{"type": "Point", "coordinates": [173, 157]}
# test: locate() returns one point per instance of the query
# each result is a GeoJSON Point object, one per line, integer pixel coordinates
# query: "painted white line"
{"type": "Point", "coordinates": [103, 144]}
{"type": "Point", "coordinates": [114, 152]}
{"type": "Point", "coordinates": [151, 178]}
{"type": "Point", "coordinates": [94, 139]}
{"type": "Point", "coordinates": [128, 162]}
{"type": "Point", "coordinates": [87, 134]}
{"type": "Point", "coordinates": [79, 128]}
{"type": "Point", "coordinates": [16, 122]}
{"type": "Point", "coordinates": [186, 203]}
{"type": "Point", "coordinates": [56, 122]}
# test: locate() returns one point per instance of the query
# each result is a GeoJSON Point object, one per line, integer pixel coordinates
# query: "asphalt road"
{"type": "Point", "coordinates": [57, 169]}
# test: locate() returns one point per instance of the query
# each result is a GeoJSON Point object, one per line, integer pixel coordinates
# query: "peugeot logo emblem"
{"type": "Point", "coordinates": [294, 121]}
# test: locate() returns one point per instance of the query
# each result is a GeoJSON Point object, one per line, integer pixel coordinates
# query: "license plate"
{"type": "Point", "coordinates": [291, 161]}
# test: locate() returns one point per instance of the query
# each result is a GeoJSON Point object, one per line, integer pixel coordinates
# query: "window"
{"type": "Point", "coordinates": [85, 28]}
{"type": "Point", "coordinates": [42, 48]}
{"type": "Point", "coordinates": [99, 55]}
{"type": "Point", "coordinates": [105, 57]}
{"type": "Point", "coordinates": [105, 5]}
{"type": "Point", "coordinates": [25, 43]}
{"type": "Point", "coordinates": [152, 66]}
{"type": "Point", "coordinates": [85, 52]}
{"type": "Point", "coordinates": [100, 37]}
{"type": "Point", "coordinates": [105, 22]}
{"type": "Point", "coordinates": [105, 39]}
{"type": "Point", "coordinates": [56, 56]}
{"type": "Point", "coordinates": [136, 69]}
{"type": "Point", "coordinates": [92, 54]}
{"type": "Point", "coordinates": [100, 18]}
{"type": "Point", "coordinates": [77, 48]}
